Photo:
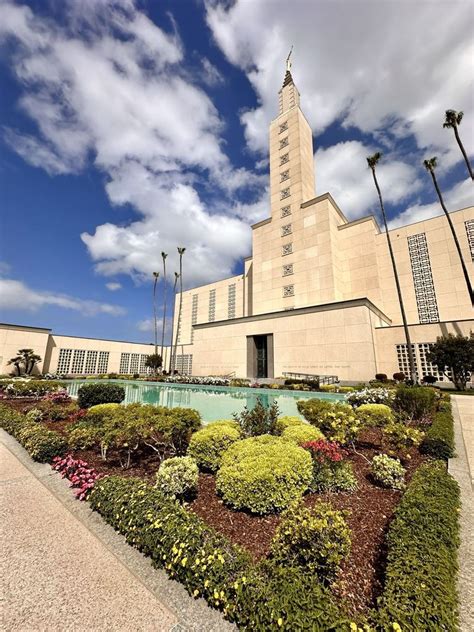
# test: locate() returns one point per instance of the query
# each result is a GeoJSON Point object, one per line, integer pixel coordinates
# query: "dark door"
{"type": "Point", "coordinates": [262, 356]}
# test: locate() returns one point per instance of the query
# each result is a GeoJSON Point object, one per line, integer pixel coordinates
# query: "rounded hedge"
{"type": "Point", "coordinates": [375, 414]}
{"type": "Point", "coordinates": [178, 476]}
{"type": "Point", "coordinates": [209, 444]}
{"type": "Point", "coordinates": [103, 408]}
{"type": "Point", "coordinates": [91, 394]}
{"type": "Point", "coordinates": [302, 434]}
{"type": "Point", "coordinates": [263, 474]}
{"type": "Point", "coordinates": [286, 422]}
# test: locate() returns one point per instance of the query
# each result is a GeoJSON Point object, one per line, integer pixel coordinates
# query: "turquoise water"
{"type": "Point", "coordinates": [212, 402]}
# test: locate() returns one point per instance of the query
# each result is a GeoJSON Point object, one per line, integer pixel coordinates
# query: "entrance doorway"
{"type": "Point", "coordinates": [260, 356]}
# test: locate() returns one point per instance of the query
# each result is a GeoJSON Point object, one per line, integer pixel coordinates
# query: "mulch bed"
{"type": "Point", "coordinates": [370, 510]}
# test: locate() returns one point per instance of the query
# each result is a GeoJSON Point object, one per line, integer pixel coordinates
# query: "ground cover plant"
{"type": "Point", "coordinates": [195, 512]}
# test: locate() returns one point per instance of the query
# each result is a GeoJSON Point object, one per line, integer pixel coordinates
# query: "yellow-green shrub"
{"type": "Point", "coordinates": [208, 445]}
{"type": "Point", "coordinates": [102, 408]}
{"type": "Point", "coordinates": [375, 414]}
{"type": "Point", "coordinates": [338, 422]}
{"type": "Point", "coordinates": [263, 474]}
{"type": "Point", "coordinates": [285, 422]}
{"type": "Point", "coordinates": [301, 434]}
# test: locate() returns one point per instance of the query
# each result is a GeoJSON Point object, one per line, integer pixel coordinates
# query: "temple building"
{"type": "Point", "coordinates": [318, 295]}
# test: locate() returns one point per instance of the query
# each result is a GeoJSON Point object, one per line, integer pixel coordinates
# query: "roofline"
{"type": "Point", "coordinates": [25, 327]}
{"type": "Point", "coordinates": [198, 287]}
{"type": "Point", "coordinates": [439, 322]}
{"type": "Point", "coordinates": [320, 198]}
{"type": "Point", "coordinates": [367, 218]}
{"type": "Point", "coordinates": [458, 210]}
{"type": "Point", "coordinates": [324, 307]}
{"type": "Point", "coordinates": [127, 342]}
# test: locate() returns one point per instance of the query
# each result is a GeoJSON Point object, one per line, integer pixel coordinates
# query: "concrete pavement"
{"type": "Point", "coordinates": [63, 568]}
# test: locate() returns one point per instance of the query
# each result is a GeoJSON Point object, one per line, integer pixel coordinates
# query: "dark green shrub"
{"type": "Point", "coordinates": [381, 377]}
{"type": "Point", "coordinates": [263, 474]}
{"type": "Point", "coordinates": [399, 377]}
{"type": "Point", "coordinates": [56, 412]}
{"type": "Point", "coordinates": [429, 379]}
{"type": "Point", "coordinates": [317, 539]}
{"type": "Point", "coordinates": [439, 438]}
{"type": "Point", "coordinates": [420, 578]}
{"type": "Point", "coordinates": [415, 402]}
{"type": "Point", "coordinates": [101, 393]}
{"type": "Point", "coordinates": [258, 421]}
{"type": "Point", "coordinates": [209, 444]}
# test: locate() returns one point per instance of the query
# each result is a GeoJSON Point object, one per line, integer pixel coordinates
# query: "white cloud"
{"type": "Point", "coordinates": [17, 295]}
{"type": "Point", "coordinates": [212, 76]}
{"type": "Point", "coordinates": [113, 287]}
{"type": "Point", "coordinates": [458, 197]}
{"type": "Point", "coordinates": [109, 86]}
{"type": "Point", "coordinates": [390, 68]}
{"type": "Point", "coordinates": [342, 170]}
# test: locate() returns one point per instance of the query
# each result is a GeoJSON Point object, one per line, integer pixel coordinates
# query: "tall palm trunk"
{"type": "Point", "coordinates": [430, 166]}
{"type": "Point", "coordinates": [181, 251]}
{"type": "Point", "coordinates": [463, 151]}
{"type": "Point", "coordinates": [163, 255]}
{"type": "Point", "coordinates": [155, 322]}
{"type": "Point", "coordinates": [452, 121]}
{"type": "Point", "coordinates": [372, 161]}
{"type": "Point", "coordinates": [171, 366]}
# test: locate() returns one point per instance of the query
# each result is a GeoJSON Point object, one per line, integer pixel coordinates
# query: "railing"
{"type": "Point", "coordinates": [322, 379]}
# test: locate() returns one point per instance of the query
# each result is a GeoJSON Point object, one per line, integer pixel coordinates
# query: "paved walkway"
{"type": "Point", "coordinates": [63, 568]}
{"type": "Point", "coordinates": [462, 468]}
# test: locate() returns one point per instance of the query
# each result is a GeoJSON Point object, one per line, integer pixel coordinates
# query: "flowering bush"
{"type": "Point", "coordinates": [330, 472]}
{"type": "Point", "coordinates": [388, 472]}
{"type": "Point", "coordinates": [370, 396]}
{"type": "Point", "coordinates": [400, 436]}
{"type": "Point", "coordinates": [81, 476]}
{"type": "Point", "coordinates": [61, 396]}
{"type": "Point", "coordinates": [178, 476]}
{"type": "Point", "coordinates": [337, 422]}
{"type": "Point", "coordinates": [203, 381]}
{"type": "Point", "coordinates": [35, 414]}
{"type": "Point", "coordinates": [24, 387]}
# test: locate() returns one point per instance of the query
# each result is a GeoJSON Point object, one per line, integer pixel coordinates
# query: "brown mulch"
{"type": "Point", "coordinates": [370, 510]}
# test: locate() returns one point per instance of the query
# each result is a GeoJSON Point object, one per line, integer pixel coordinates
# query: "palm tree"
{"type": "Point", "coordinates": [430, 166]}
{"type": "Point", "coordinates": [452, 120]}
{"type": "Point", "coordinates": [16, 361]}
{"type": "Point", "coordinates": [372, 161]}
{"type": "Point", "coordinates": [181, 252]}
{"type": "Point", "coordinates": [163, 256]}
{"type": "Point", "coordinates": [176, 277]}
{"type": "Point", "coordinates": [29, 359]}
{"type": "Point", "coordinates": [155, 323]}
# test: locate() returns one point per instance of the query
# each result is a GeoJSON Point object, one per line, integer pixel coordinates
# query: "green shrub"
{"type": "Point", "coordinates": [388, 472]}
{"type": "Point", "coordinates": [374, 414]}
{"type": "Point", "coordinates": [101, 393]}
{"type": "Point", "coordinates": [401, 436]}
{"type": "Point", "coordinates": [338, 422]}
{"type": "Point", "coordinates": [439, 438]}
{"type": "Point", "coordinates": [420, 576]}
{"type": "Point", "coordinates": [102, 408]}
{"type": "Point", "coordinates": [415, 402]}
{"type": "Point", "coordinates": [83, 435]}
{"type": "Point", "coordinates": [263, 474]}
{"type": "Point", "coordinates": [34, 414]}
{"type": "Point", "coordinates": [57, 412]}
{"type": "Point", "coordinates": [258, 421]}
{"type": "Point", "coordinates": [178, 476]}
{"type": "Point", "coordinates": [302, 434]}
{"type": "Point", "coordinates": [29, 388]}
{"type": "Point", "coordinates": [11, 420]}
{"type": "Point", "coordinates": [316, 539]}
{"type": "Point", "coordinates": [336, 477]}
{"type": "Point", "coordinates": [209, 444]}
{"type": "Point", "coordinates": [283, 423]}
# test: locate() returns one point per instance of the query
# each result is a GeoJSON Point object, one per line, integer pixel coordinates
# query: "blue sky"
{"type": "Point", "coordinates": [131, 127]}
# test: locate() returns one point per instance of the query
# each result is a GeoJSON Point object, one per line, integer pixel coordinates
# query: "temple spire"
{"type": "Point", "coordinates": [288, 78]}
{"type": "Point", "coordinates": [288, 95]}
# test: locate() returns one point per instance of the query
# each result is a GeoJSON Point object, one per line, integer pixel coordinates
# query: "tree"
{"type": "Point", "coordinates": [430, 166]}
{"type": "Point", "coordinates": [29, 359]}
{"type": "Point", "coordinates": [155, 322]}
{"type": "Point", "coordinates": [163, 256]}
{"type": "Point", "coordinates": [16, 362]}
{"type": "Point", "coordinates": [372, 161]}
{"type": "Point", "coordinates": [176, 277]}
{"type": "Point", "coordinates": [181, 252]}
{"type": "Point", "coordinates": [154, 362]}
{"type": "Point", "coordinates": [452, 121]}
{"type": "Point", "coordinates": [454, 354]}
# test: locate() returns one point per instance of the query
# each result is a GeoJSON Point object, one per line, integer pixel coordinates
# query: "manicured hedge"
{"type": "Point", "coordinates": [42, 444]}
{"type": "Point", "coordinates": [420, 584]}
{"type": "Point", "coordinates": [29, 388]}
{"type": "Point", "coordinates": [102, 393]}
{"type": "Point", "coordinates": [257, 598]}
{"type": "Point", "coordinates": [439, 438]}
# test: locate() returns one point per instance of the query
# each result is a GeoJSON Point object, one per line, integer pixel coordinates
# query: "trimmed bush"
{"type": "Point", "coordinates": [439, 438]}
{"type": "Point", "coordinates": [29, 388]}
{"type": "Point", "coordinates": [388, 472]}
{"type": "Point", "coordinates": [420, 576]}
{"type": "Point", "coordinates": [415, 402]}
{"type": "Point", "coordinates": [101, 393]}
{"type": "Point", "coordinates": [102, 409]}
{"type": "Point", "coordinates": [316, 539]}
{"type": "Point", "coordinates": [381, 377]}
{"type": "Point", "coordinates": [286, 422]}
{"type": "Point", "coordinates": [178, 476]}
{"type": "Point", "coordinates": [263, 474]}
{"type": "Point", "coordinates": [330, 471]}
{"type": "Point", "coordinates": [338, 422]}
{"type": "Point", "coordinates": [208, 445]}
{"type": "Point", "coordinates": [302, 434]}
{"type": "Point", "coordinates": [374, 414]}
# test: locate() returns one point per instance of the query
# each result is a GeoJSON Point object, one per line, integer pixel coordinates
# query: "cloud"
{"type": "Point", "coordinates": [458, 197]}
{"type": "Point", "coordinates": [107, 87]}
{"type": "Point", "coordinates": [342, 170]}
{"type": "Point", "coordinates": [365, 68]}
{"type": "Point", "coordinates": [17, 295]}
{"type": "Point", "coordinates": [212, 75]}
{"type": "Point", "coordinates": [113, 287]}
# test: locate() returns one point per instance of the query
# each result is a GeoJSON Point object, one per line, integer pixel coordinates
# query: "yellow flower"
{"type": "Point", "coordinates": [184, 561]}
{"type": "Point", "coordinates": [280, 621]}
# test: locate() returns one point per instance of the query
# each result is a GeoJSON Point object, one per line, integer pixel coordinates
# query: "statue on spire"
{"type": "Point", "coordinates": [288, 60]}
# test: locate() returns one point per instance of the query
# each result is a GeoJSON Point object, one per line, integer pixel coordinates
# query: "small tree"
{"type": "Point", "coordinates": [154, 362]}
{"type": "Point", "coordinates": [454, 354]}
{"type": "Point", "coordinates": [16, 362]}
{"type": "Point", "coordinates": [27, 359]}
